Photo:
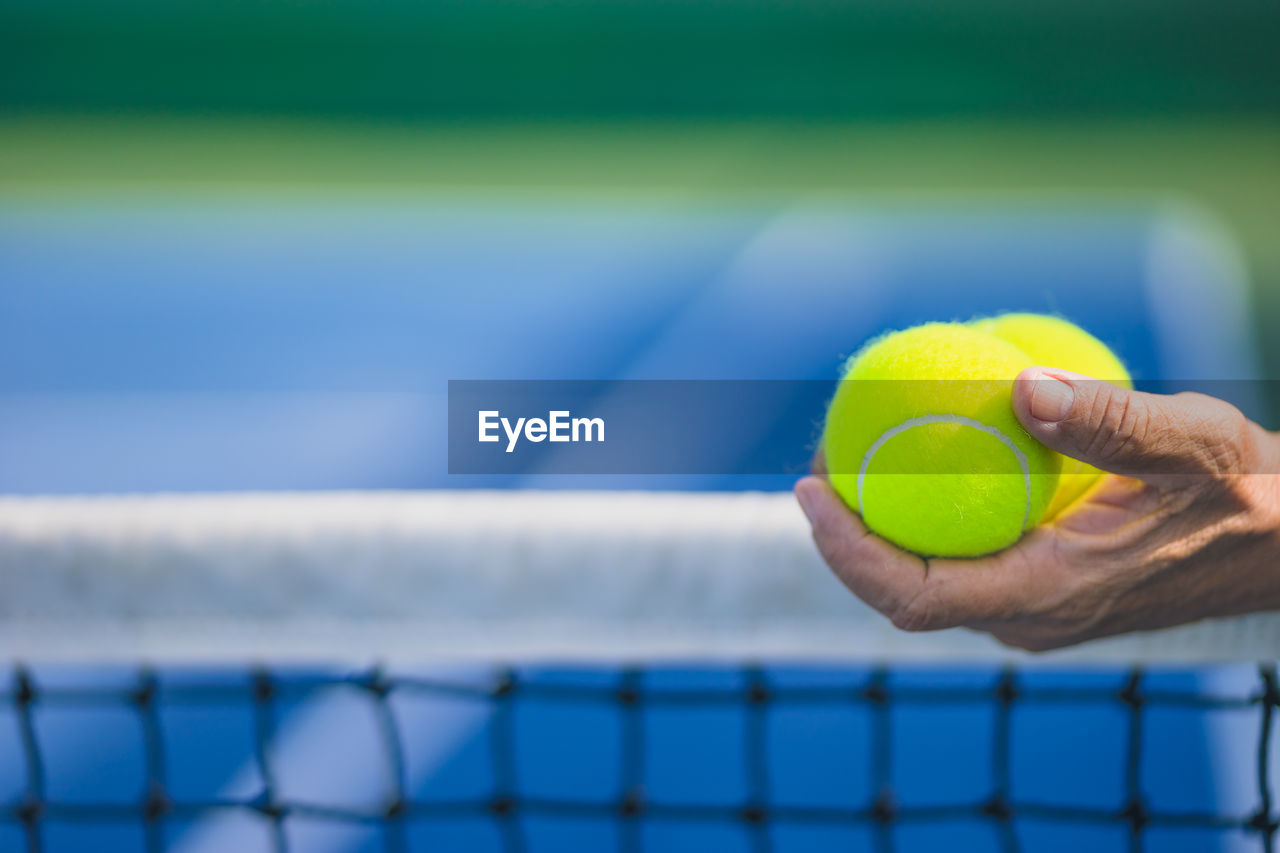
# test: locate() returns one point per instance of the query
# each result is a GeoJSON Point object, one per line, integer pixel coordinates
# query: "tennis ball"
{"type": "Point", "coordinates": [922, 441]}
{"type": "Point", "coordinates": [1054, 342]}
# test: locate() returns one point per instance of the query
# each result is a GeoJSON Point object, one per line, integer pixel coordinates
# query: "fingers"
{"type": "Point", "coordinates": [875, 571]}
{"type": "Point", "coordinates": [1153, 437]}
{"type": "Point", "coordinates": [1112, 509]}
{"type": "Point", "coordinates": [915, 595]}
{"type": "Point", "coordinates": [818, 465]}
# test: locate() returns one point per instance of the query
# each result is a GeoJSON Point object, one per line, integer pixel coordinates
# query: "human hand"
{"type": "Point", "coordinates": [1185, 527]}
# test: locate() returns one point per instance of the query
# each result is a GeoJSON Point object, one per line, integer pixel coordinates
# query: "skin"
{"type": "Point", "coordinates": [1186, 526]}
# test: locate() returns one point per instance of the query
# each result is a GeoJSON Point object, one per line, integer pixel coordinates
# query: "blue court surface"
{"type": "Point", "coordinates": [164, 345]}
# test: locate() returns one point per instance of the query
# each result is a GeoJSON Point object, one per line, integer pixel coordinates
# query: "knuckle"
{"type": "Point", "coordinates": [918, 613]}
{"type": "Point", "coordinates": [1223, 434]}
{"type": "Point", "coordinates": [832, 553]}
{"type": "Point", "coordinates": [1123, 424]}
{"type": "Point", "coordinates": [834, 548]}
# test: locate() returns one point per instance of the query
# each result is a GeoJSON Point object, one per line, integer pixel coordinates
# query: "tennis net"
{"type": "Point", "coordinates": [519, 671]}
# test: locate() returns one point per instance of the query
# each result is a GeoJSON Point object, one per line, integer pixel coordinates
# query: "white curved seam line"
{"type": "Point", "coordinates": [952, 419]}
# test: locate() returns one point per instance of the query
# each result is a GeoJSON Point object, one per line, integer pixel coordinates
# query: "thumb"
{"type": "Point", "coordinates": [1149, 436]}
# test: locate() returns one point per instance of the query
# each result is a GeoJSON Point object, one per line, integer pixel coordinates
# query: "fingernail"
{"type": "Point", "coordinates": [805, 499]}
{"type": "Point", "coordinates": [1051, 399]}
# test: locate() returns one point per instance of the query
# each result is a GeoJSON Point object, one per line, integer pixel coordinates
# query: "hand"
{"type": "Point", "coordinates": [1187, 526]}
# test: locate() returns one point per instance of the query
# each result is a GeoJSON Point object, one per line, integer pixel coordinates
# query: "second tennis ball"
{"type": "Point", "coordinates": [1054, 342]}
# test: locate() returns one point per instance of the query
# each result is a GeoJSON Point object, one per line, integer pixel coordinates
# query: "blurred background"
{"type": "Point", "coordinates": [324, 210]}
{"type": "Point", "coordinates": [244, 244]}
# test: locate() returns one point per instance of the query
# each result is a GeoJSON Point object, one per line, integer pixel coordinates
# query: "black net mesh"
{"type": "Point", "coordinates": [629, 802]}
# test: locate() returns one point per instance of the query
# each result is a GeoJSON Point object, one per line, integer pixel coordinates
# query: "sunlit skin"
{"type": "Point", "coordinates": [1186, 526]}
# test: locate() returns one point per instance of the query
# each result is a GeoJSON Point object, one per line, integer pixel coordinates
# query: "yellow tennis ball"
{"type": "Point", "coordinates": [1055, 342]}
{"type": "Point", "coordinates": [921, 440]}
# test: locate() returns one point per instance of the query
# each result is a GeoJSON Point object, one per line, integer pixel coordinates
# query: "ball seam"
{"type": "Point", "coordinates": [924, 420]}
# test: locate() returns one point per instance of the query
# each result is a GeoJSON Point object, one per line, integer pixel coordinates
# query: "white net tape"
{"type": "Point", "coordinates": [467, 575]}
